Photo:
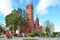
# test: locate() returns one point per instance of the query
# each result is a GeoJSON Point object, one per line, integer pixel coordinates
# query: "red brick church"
{"type": "Point", "coordinates": [32, 25]}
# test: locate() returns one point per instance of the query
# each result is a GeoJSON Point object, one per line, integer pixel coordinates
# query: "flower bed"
{"type": "Point", "coordinates": [9, 35]}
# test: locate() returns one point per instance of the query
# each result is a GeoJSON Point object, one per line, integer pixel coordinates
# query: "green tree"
{"type": "Point", "coordinates": [47, 30]}
{"type": "Point", "coordinates": [1, 29]}
{"type": "Point", "coordinates": [15, 18]}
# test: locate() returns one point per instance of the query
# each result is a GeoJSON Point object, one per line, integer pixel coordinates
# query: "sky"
{"type": "Point", "coordinates": [44, 9]}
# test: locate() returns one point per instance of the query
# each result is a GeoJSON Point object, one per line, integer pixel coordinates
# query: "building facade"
{"type": "Point", "coordinates": [29, 16]}
{"type": "Point", "coordinates": [31, 25]}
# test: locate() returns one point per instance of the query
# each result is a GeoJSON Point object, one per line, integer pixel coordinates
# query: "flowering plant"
{"type": "Point", "coordinates": [9, 35]}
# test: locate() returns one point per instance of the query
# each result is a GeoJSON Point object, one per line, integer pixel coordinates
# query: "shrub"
{"type": "Point", "coordinates": [33, 34]}
{"type": "Point", "coordinates": [42, 34]}
{"type": "Point", "coordinates": [54, 34]}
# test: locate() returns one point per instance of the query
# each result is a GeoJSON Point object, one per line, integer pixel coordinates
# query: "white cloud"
{"type": "Point", "coordinates": [5, 6]}
{"type": "Point", "coordinates": [42, 7]}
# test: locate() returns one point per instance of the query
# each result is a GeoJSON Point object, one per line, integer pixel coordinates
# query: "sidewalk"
{"type": "Point", "coordinates": [29, 38]}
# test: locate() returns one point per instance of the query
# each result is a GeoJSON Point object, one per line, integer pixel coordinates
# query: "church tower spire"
{"type": "Point", "coordinates": [37, 22]}
{"type": "Point", "coordinates": [29, 16]}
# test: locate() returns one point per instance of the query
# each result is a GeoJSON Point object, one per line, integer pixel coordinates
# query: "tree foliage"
{"type": "Point", "coordinates": [47, 29]}
{"type": "Point", "coordinates": [1, 29]}
{"type": "Point", "coordinates": [15, 18]}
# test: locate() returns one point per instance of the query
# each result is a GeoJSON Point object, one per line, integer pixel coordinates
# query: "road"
{"type": "Point", "coordinates": [30, 38]}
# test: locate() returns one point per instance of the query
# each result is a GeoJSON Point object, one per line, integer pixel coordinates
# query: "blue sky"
{"type": "Point", "coordinates": [44, 9]}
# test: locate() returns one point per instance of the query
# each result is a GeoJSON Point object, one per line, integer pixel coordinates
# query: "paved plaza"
{"type": "Point", "coordinates": [30, 38]}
